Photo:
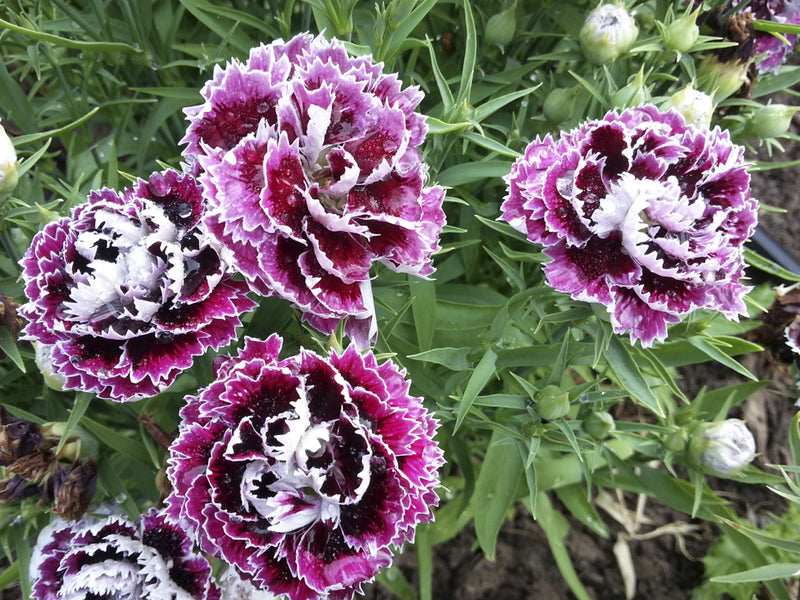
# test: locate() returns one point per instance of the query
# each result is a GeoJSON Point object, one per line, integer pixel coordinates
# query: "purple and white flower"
{"type": "Point", "coordinates": [115, 559]}
{"type": "Point", "coordinates": [303, 473]}
{"type": "Point", "coordinates": [128, 289]}
{"type": "Point", "coordinates": [312, 173]}
{"type": "Point", "coordinates": [638, 212]}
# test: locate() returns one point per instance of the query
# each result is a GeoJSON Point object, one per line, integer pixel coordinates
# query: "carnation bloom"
{"type": "Point", "coordinates": [115, 559]}
{"type": "Point", "coordinates": [128, 289]}
{"type": "Point", "coordinates": [641, 213]}
{"type": "Point", "coordinates": [724, 447]}
{"type": "Point", "coordinates": [312, 173]}
{"type": "Point", "coordinates": [301, 473]}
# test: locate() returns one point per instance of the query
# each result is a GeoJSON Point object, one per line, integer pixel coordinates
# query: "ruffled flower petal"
{"type": "Point", "coordinates": [305, 473]}
{"type": "Point", "coordinates": [310, 166]}
{"type": "Point", "coordinates": [130, 288]}
{"type": "Point", "coordinates": [115, 559]}
{"type": "Point", "coordinates": [640, 212]}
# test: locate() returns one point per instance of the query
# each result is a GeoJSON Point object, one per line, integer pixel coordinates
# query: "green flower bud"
{"type": "Point", "coordinates": [681, 34]}
{"type": "Point", "coordinates": [770, 121]}
{"type": "Point", "coordinates": [8, 164]}
{"type": "Point", "coordinates": [501, 27]}
{"type": "Point", "coordinates": [724, 447]}
{"type": "Point", "coordinates": [696, 107]}
{"type": "Point", "coordinates": [633, 94]}
{"type": "Point", "coordinates": [721, 79]}
{"type": "Point", "coordinates": [557, 106]}
{"type": "Point", "coordinates": [44, 360]}
{"type": "Point", "coordinates": [552, 403]}
{"type": "Point", "coordinates": [675, 439]}
{"type": "Point", "coordinates": [79, 444]}
{"type": "Point", "coordinates": [608, 32]}
{"type": "Point", "coordinates": [599, 425]}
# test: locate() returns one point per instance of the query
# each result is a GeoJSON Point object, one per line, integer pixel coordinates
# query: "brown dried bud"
{"type": "Point", "coordinates": [16, 488]}
{"type": "Point", "coordinates": [73, 489]}
{"type": "Point", "coordinates": [18, 438]}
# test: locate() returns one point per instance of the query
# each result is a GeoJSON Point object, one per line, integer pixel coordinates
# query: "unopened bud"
{"type": "Point", "coordinates": [43, 355]}
{"type": "Point", "coordinates": [599, 425]}
{"type": "Point", "coordinates": [633, 94]}
{"type": "Point", "coordinates": [557, 106]}
{"type": "Point", "coordinates": [552, 402]}
{"type": "Point", "coordinates": [681, 34]}
{"type": "Point", "coordinates": [724, 447]}
{"type": "Point", "coordinates": [770, 121]}
{"type": "Point", "coordinates": [608, 32]}
{"type": "Point", "coordinates": [696, 107]}
{"type": "Point", "coordinates": [8, 163]}
{"type": "Point", "coordinates": [721, 79]}
{"type": "Point", "coordinates": [675, 439]}
{"type": "Point", "coordinates": [501, 27]}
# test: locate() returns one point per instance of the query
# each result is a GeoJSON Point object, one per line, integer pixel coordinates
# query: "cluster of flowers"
{"type": "Point", "coordinates": [302, 474]}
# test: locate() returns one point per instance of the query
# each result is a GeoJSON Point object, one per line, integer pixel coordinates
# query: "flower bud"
{"type": "Point", "coordinates": [552, 402]}
{"type": "Point", "coordinates": [681, 34]}
{"type": "Point", "coordinates": [557, 106]}
{"type": "Point", "coordinates": [633, 94]}
{"type": "Point", "coordinates": [8, 163]}
{"type": "Point", "coordinates": [43, 355]}
{"type": "Point", "coordinates": [608, 32]}
{"type": "Point", "coordinates": [73, 489]}
{"type": "Point", "coordinates": [696, 107]}
{"type": "Point", "coordinates": [599, 425]}
{"type": "Point", "coordinates": [721, 79]}
{"type": "Point", "coordinates": [724, 447]}
{"type": "Point", "coordinates": [770, 121]}
{"type": "Point", "coordinates": [675, 439]}
{"type": "Point", "coordinates": [501, 27]}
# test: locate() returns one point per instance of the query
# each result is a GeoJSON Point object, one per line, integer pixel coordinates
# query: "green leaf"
{"type": "Point", "coordinates": [9, 346]}
{"type": "Point", "coordinates": [82, 401]}
{"type": "Point", "coordinates": [556, 528]}
{"type": "Point", "coordinates": [495, 489]}
{"type": "Point", "coordinates": [794, 439]}
{"type": "Point", "coordinates": [9, 576]}
{"type": "Point", "coordinates": [36, 137]}
{"type": "Point", "coordinates": [454, 359]}
{"type": "Point", "coordinates": [764, 264]}
{"type": "Point", "coordinates": [712, 351]}
{"type": "Point", "coordinates": [48, 38]}
{"type": "Point", "coordinates": [118, 442]}
{"type": "Point", "coordinates": [423, 307]}
{"type": "Point", "coordinates": [470, 53]}
{"type": "Point", "coordinates": [761, 574]}
{"type": "Point", "coordinates": [470, 172]}
{"type": "Point", "coordinates": [620, 359]}
{"type": "Point", "coordinates": [392, 579]}
{"type": "Point", "coordinates": [483, 372]}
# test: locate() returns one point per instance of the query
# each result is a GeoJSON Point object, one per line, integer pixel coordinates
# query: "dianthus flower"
{"type": "Point", "coordinates": [311, 169]}
{"type": "Point", "coordinates": [641, 213]}
{"type": "Point", "coordinates": [115, 559]}
{"type": "Point", "coordinates": [301, 473]}
{"type": "Point", "coordinates": [128, 289]}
